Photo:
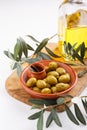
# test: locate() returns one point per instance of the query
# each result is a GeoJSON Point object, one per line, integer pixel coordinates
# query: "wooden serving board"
{"type": "Point", "coordinates": [15, 89]}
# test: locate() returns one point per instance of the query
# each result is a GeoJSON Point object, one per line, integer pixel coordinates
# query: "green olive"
{"type": "Point", "coordinates": [48, 85]}
{"type": "Point", "coordinates": [46, 90]}
{"type": "Point", "coordinates": [51, 80]}
{"type": "Point", "coordinates": [53, 65]}
{"type": "Point", "coordinates": [47, 69]}
{"type": "Point", "coordinates": [44, 79]}
{"type": "Point", "coordinates": [64, 78]}
{"type": "Point", "coordinates": [54, 89]}
{"type": "Point", "coordinates": [41, 84]}
{"type": "Point", "coordinates": [36, 89]}
{"type": "Point", "coordinates": [31, 82]}
{"type": "Point", "coordinates": [54, 73]}
{"type": "Point", "coordinates": [61, 70]}
{"type": "Point", "coordinates": [62, 86]}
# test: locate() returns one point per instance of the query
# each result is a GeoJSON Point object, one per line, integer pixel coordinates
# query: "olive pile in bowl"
{"type": "Point", "coordinates": [60, 79]}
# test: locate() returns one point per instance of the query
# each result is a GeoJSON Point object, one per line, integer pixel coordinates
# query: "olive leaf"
{"type": "Point", "coordinates": [71, 115]}
{"type": "Point", "coordinates": [21, 40]}
{"type": "Point", "coordinates": [24, 49]}
{"type": "Point", "coordinates": [75, 53]}
{"type": "Point", "coordinates": [84, 105]}
{"type": "Point", "coordinates": [79, 114]}
{"type": "Point", "coordinates": [44, 56]}
{"type": "Point", "coordinates": [47, 102]}
{"type": "Point", "coordinates": [16, 50]}
{"type": "Point", "coordinates": [49, 120]}
{"type": "Point", "coordinates": [79, 58]}
{"type": "Point", "coordinates": [56, 118]}
{"type": "Point", "coordinates": [29, 47]}
{"type": "Point", "coordinates": [42, 44]}
{"type": "Point", "coordinates": [40, 122]}
{"type": "Point", "coordinates": [82, 51]}
{"type": "Point", "coordinates": [35, 115]}
{"type": "Point", "coordinates": [34, 39]}
{"type": "Point", "coordinates": [19, 69]}
{"type": "Point", "coordinates": [37, 101]}
{"type": "Point", "coordinates": [14, 65]}
{"type": "Point", "coordinates": [9, 54]}
{"type": "Point", "coordinates": [51, 53]}
{"type": "Point", "coordinates": [31, 60]}
{"type": "Point", "coordinates": [21, 47]}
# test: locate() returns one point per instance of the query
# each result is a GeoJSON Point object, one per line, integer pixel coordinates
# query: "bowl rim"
{"type": "Point", "coordinates": [52, 95]}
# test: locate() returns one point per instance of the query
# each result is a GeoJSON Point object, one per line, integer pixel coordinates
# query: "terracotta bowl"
{"type": "Point", "coordinates": [24, 76]}
{"type": "Point", "coordinates": [37, 70]}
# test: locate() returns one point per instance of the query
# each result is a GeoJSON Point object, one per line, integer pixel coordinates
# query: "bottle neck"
{"type": "Point", "coordinates": [78, 1]}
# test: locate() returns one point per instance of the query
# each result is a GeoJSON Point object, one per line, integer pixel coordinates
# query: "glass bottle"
{"type": "Point", "coordinates": [72, 23]}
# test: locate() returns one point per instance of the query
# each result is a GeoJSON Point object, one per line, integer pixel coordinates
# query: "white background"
{"type": "Point", "coordinates": [19, 18]}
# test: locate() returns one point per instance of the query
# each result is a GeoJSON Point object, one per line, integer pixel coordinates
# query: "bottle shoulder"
{"type": "Point", "coordinates": [69, 8]}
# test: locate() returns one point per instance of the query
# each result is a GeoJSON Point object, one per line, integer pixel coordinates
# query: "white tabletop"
{"type": "Point", "coordinates": [19, 18]}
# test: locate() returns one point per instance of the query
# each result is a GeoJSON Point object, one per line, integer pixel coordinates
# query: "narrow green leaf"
{"type": "Point", "coordinates": [60, 101]}
{"type": "Point", "coordinates": [29, 47]}
{"type": "Point", "coordinates": [37, 101]}
{"type": "Point", "coordinates": [69, 46]}
{"type": "Point", "coordinates": [51, 53]}
{"type": "Point", "coordinates": [82, 51]}
{"type": "Point", "coordinates": [79, 58]}
{"type": "Point", "coordinates": [85, 101]}
{"type": "Point", "coordinates": [48, 102]}
{"type": "Point", "coordinates": [11, 56]}
{"type": "Point", "coordinates": [73, 47]}
{"type": "Point", "coordinates": [65, 47]}
{"type": "Point", "coordinates": [32, 60]}
{"type": "Point", "coordinates": [41, 46]}
{"type": "Point", "coordinates": [14, 65]}
{"type": "Point", "coordinates": [43, 101]}
{"type": "Point", "coordinates": [25, 49]}
{"type": "Point", "coordinates": [33, 38]}
{"type": "Point", "coordinates": [44, 56]}
{"type": "Point", "coordinates": [78, 48]}
{"type": "Point", "coordinates": [19, 69]}
{"type": "Point", "coordinates": [20, 51]}
{"type": "Point", "coordinates": [49, 120]}
{"type": "Point", "coordinates": [35, 115]}
{"type": "Point", "coordinates": [85, 105]}
{"type": "Point", "coordinates": [79, 114]}
{"type": "Point", "coordinates": [40, 122]}
{"type": "Point", "coordinates": [22, 41]}
{"type": "Point", "coordinates": [71, 115]}
{"type": "Point", "coordinates": [56, 118]}
{"type": "Point", "coordinates": [16, 50]}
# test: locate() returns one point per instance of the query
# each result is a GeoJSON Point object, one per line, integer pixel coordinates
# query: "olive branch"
{"type": "Point", "coordinates": [77, 117]}
{"type": "Point", "coordinates": [22, 50]}
{"type": "Point", "coordinates": [21, 55]}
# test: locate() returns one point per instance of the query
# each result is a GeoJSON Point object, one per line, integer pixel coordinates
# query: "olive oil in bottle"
{"type": "Point", "coordinates": [72, 23]}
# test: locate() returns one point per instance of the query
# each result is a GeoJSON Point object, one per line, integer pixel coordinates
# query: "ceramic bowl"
{"type": "Point", "coordinates": [69, 69]}
{"type": "Point", "coordinates": [37, 70]}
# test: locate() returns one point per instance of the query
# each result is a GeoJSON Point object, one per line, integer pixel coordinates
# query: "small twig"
{"type": "Point", "coordinates": [52, 36]}
{"type": "Point", "coordinates": [56, 105]}
{"type": "Point", "coordinates": [83, 97]}
{"type": "Point", "coordinates": [80, 74]}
